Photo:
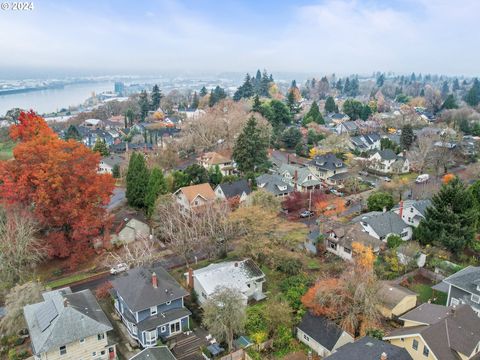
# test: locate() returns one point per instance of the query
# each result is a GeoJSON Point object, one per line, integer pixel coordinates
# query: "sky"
{"type": "Point", "coordinates": [319, 37]}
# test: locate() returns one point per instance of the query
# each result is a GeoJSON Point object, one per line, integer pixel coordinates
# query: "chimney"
{"type": "Point", "coordinates": [384, 356]}
{"type": "Point", "coordinates": [190, 278]}
{"type": "Point", "coordinates": [401, 208]}
{"type": "Point", "coordinates": [154, 280]}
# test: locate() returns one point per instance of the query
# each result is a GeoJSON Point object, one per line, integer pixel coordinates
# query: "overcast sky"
{"type": "Point", "coordinates": [341, 36]}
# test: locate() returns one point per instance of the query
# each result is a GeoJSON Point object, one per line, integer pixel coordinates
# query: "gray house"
{"type": "Point", "coordinates": [150, 302]}
{"type": "Point", "coordinates": [464, 288]}
{"type": "Point", "coordinates": [274, 184]}
{"type": "Point", "coordinates": [382, 224]}
{"type": "Point", "coordinates": [368, 348]}
{"type": "Point", "coordinates": [327, 165]}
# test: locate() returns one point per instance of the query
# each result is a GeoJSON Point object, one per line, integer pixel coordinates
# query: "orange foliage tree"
{"type": "Point", "coordinates": [350, 300]}
{"type": "Point", "coordinates": [58, 180]}
{"type": "Point", "coordinates": [330, 207]}
{"type": "Point", "coordinates": [447, 178]}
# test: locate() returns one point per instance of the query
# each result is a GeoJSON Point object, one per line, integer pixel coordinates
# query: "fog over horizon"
{"type": "Point", "coordinates": [308, 37]}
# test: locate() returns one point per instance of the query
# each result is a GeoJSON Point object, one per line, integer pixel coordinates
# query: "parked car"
{"type": "Point", "coordinates": [386, 178]}
{"type": "Point", "coordinates": [336, 192]}
{"type": "Point", "coordinates": [422, 178]}
{"type": "Point", "coordinates": [306, 214]}
{"type": "Point", "coordinates": [117, 269]}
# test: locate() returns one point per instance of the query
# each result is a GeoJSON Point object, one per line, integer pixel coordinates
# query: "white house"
{"type": "Point", "coordinates": [230, 190]}
{"type": "Point", "coordinates": [412, 211]}
{"type": "Point", "coordinates": [245, 276]}
{"type": "Point", "coordinates": [387, 162]}
{"type": "Point", "coordinates": [365, 142]}
{"type": "Point", "coordinates": [107, 163]}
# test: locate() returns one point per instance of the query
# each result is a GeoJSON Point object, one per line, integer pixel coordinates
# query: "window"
{"type": "Point", "coordinates": [411, 209]}
{"type": "Point", "coordinates": [101, 336]}
{"type": "Point", "coordinates": [248, 285]}
{"type": "Point", "coordinates": [168, 302]}
{"type": "Point", "coordinates": [163, 329]}
{"type": "Point", "coordinates": [151, 337]}
{"type": "Point", "coordinates": [475, 298]}
{"type": "Point", "coordinates": [306, 337]}
{"type": "Point", "coordinates": [332, 245]}
{"type": "Point", "coordinates": [195, 202]}
{"type": "Point", "coordinates": [153, 310]}
{"type": "Point", "coordinates": [63, 350]}
{"type": "Point", "coordinates": [347, 250]}
{"type": "Point", "coordinates": [403, 234]}
{"type": "Point", "coordinates": [102, 352]}
{"type": "Point", "coordinates": [415, 344]}
{"type": "Point", "coordinates": [425, 351]}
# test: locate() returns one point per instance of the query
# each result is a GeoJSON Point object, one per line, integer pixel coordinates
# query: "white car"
{"type": "Point", "coordinates": [117, 269]}
{"type": "Point", "coordinates": [422, 178]}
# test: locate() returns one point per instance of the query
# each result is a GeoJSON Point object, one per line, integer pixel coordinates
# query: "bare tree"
{"type": "Point", "coordinates": [20, 249]}
{"type": "Point", "coordinates": [421, 153]}
{"type": "Point", "coordinates": [138, 253]}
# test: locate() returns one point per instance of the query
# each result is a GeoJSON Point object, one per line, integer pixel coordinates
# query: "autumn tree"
{"type": "Point", "coordinates": [58, 179]}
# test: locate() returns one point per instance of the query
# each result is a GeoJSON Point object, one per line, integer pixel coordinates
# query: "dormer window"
{"type": "Point", "coordinates": [475, 298]}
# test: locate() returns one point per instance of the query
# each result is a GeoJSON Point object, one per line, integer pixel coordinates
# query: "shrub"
{"type": "Point", "coordinates": [376, 333]}
{"type": "Point", "coordinates": [293, 288]}
{"type": "Point", "coordinates": [394, 241]}
{"type": "Point", "coordinates": [289, 266]}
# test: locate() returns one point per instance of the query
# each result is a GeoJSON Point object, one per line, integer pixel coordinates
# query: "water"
{"type": "Point", "coordinates": [51, 100]}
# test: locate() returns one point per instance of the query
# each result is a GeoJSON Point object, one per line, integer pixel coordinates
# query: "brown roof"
{"type": "Point", "coordinates": [203, 190]}
{"type": "Point", "coordinates": [214, 158]}
{"type": "Point", "coordinates": [348, 234]}
{"type": "Point", "coordinates": [393, 294]}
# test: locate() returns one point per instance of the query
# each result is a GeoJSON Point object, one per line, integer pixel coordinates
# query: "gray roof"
{"type": "Point", "coordinates": [64, 317]}
{"type": "Point", "coordinates": [302, 174]}
{"type": "Point", "coordinates": [392, 294]}
{"type": "Point", "coordinates": [350, 125]}
{"type": "Point", "coordinates": [154, 353]}
{"type": "Point", "coordinates": [322, 330]}
{"type": "Point", "coordinates": [327, 161]}
{"type": "Point", "coordinates": [368, 348]}
{"type": "Point", "coordinates": [366, 140]}
{"type": "Point", "coordinates": [152, 322]}
{"type": "Point", "coordinates": [420, 205]}
{"type": "Point", "coordinates": [136, 289]}
{"type": "Point", "coordinates": [338, 116]}
{"type": "Point", "coordinates": [274, 184]}
{"type": "Point", "coordinates": [235, 188]}
{"type": "Point", "coordinates": [466, 279]}
{"type": "Point", "coordinates": [385, 223]}
{"type": "Point", "coordinates": [113, 160]}
{"type": "Point", "coordinates": [458, 332]}
{"type": "Point", "coordinates": [427, 314]}
{"type": "Point", "coordinates": [387, 154]}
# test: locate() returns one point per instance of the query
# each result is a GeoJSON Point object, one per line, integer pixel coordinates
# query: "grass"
{"type": "Point", "coordinates": [426, 293]}
{"type": "Point", "coordinates": [68, 280]}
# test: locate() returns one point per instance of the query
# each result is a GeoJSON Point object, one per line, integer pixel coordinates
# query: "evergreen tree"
{"type": "Point", "coordinates": [250, 150]}
{"type": "Point", "coordinates": [450, 102]}
{"type": "Point", "coordinates": [137, 180]}
{"type": "Point", "coordinates": [366, 112]}
{"type": "Point", "coordinates": [101, 147]}
{"type": "Point", "coordinates": [280, 114]}
{"type": "Point", "coordinates": [129, 116]}
{"type": "Point", "coordinates": [245, 90]}
{"type": "Point", "coordinates": [257, 104]}
{"type": "Point", "coordinates": [339, 85]}
{"type": "Point", "coordinates": [72, 133]}
{"type": "Point", "coordinates": [144, 105]}
{"type": "Point", "coordinates": [380, 80]}
{"type": "Point", "coordinates": [330, 106]}
{"type": "Point", "coordinates": [407, 137]}
{"type": "Point", "coordinates": [291, 102]}
{"type": "Point", "coordinates": [264, 85]}
{"type": "Point", "coordinates": [456, 85]}
{"type": "Point", "coordinates": [291, 137]}
{"type": "Point", "coordinates": [203, 91]}
{"type": "Point", "coordinates": [211, 99]}
{"type": "Point", "coordinates": [156, 97]}
{"type": "Point", "coordinates": [313, 115]}
{"type": "Point", "coordinates": [445, 89]}
{"type": "Point", "coordinates": [422, 93]}
{"type": "Point", "coordinates": [353, 108]}
{"type": "Point", "coordinates": [347, 89]}
{"type": "Point", "coordinates": [116, 171]}
{"type": "Point", "coordinates": [215, 175]}
{"type": "Point", "coordinates": [196, 174]}
{"type": "Point", "coordinates": [473, 96]}
{"type": "Point", "coordinates": [216, 95]}
{"type": "Point", "coordinates": [413, 78]}
{"type": "Point", "coordinates": [354, 87]}
{"type": "Point", "coordinates": [451, 220]}
{"type": "Point", "coordinates": [195, 101]}
{"type": "Point", "coordinates": [156, 185]}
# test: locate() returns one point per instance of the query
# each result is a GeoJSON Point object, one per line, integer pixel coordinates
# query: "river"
{"type": "Point", "coordinates": [51, 100]}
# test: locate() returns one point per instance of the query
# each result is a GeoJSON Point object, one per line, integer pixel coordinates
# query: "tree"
{"type": "Point", "coordinates": [330, 106]}
{"type": "Point", "coordinates": [72, 133]}
{"type": "Point", "coordinates": [58, 179]}
{"type": "Point", "coordinates": [196, 174]}
{"type": "Point", "coordinates": [144, 105]}
{"type": "Point", "coordinates": [280, 114]}
{"type": "Point", "coordinates": [265, 200]}
{"type": "Point", "coordinates": [313, 115]}
{"type": "Point", "coordinates": [195, 101]}
{"type": "Point", "coordinates": [291, 137]}
{"type": "Point", "coordinates": [101, 147]}
{"type": "Point", "coordinates": [156, 97]}
{"type": "Point", "coordinates": [445, 89]}
{"type": "Point", "coordinates": [216, 95]}
{"type": "Point", "coordinates": [353, 108]}
{"type": "Point", "coordinates": [250, 150]}
{"type": "Point", "coordinates": [451, 219]}
{"type": "Point", "coordinates": [245, 90]}
{"type": "Point", "coordinates": [224, 314]}
{"type": "Point", "coordinates": [116, 171]}
{"type": "Point", "coordinates": [473, 96]}
{"type": "Point", "coordinates": [129, 117]}
{"type": "Point", "coordinates": [450, 102]}
{"type": "Point", "coordinates": [378, 201]}
{"type": "Point", "coordinates": [380, 80]}
{"type": "Point", "coordinates": [203, 91]}
{"type": "Point", "coordinates": [394, 241]}
{"type": "Point", "coordinates": [257, 104]}
{"type": "Point", "coordinates": [407, 137]}
{"type": "Point", "coordinates": [20, 248]}
{"type": "Point", "coordinates": [386, 143]}
{"type": "Point", "coordinates": [16, 299]}
{"type": "Point", "coordinates": [156, 185]}
{"type": "Point", "coordinates": [215, 175]}
{"type": "Point", "coordinates": [137, 180]}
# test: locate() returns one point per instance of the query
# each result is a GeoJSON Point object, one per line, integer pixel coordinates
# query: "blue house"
{"type": "Point", "coordinates": [150, 302]}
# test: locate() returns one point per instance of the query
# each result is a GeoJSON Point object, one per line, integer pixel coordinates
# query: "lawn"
{"type": "Point", "coordinates": [69, 280]}
{"type": "Point", "coordinates": [426, 293]}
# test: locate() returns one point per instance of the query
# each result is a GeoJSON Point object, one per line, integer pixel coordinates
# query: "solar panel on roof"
{"type": "Point", "coordinates": [46, 314]}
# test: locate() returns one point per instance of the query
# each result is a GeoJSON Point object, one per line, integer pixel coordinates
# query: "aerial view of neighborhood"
{"type": "Point", "coordinates": [239, 180]}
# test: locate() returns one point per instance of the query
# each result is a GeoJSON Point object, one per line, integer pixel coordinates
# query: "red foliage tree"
{"type": "Point", "coordinates": [58, 179]}
{"type": "Point", "coordinates": [300, 200]}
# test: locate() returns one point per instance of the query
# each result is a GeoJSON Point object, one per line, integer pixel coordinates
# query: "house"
{"type": "Point", "coordinates": [154, 353]}
{"type": "Point", "coordinates": [464, 287]}
{"type": "Point", "coordinates": [193, 196]}
{"type": "Point", "coordinates": [67, 325]}
{"type": "Point", "coordinates": [150, 303]}
{"type": "Point", "coordinates": [130, 230]}
{"type": "Point", "coordinates": [224, 161]}
{"type": "Point", "coordinates": [299, 177]}
{"type": "Point", "coordinates": [339, 240]}
{"type": "Point", "coordinates": [279, 157]}
{"type": "Point", "coordinates": [93, 123]}
{"type": "Point", "coordinates": [387, 162]}
{"type": "Point", "coordinates": [348, 127]}
{"type": "Point", "coordinates": [245, 276]}
{"type": "Point", "coordinates": [338, 179]}
{"type": "Point", "coordinates": [321, 335]}
{"type": "Point", "coordinates": [439, 332]}
{"type": "Point", "coordinates": [365, 142]}
{"type": "Point", "coordinates": [395, 299]}
{"type": "Point", "coordinates": [327, 165]}
{"type": "Point", "coordinates": [412, 211]}
{"type": "Point", "coordinates": [382, 224]}
{"type": "Point", "coordinates": [230, 190]}
{"type": "Point", "coordinates": [338, 118]}
{"type": "Point", "coordinates": [107, 163]}
{"type": "Point", "coordinates": [274, 184]}
{"type": "Point", "coordinates": [368, 348]}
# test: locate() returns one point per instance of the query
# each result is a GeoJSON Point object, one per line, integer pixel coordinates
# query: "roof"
{"type": "Point", "coordinates": [322, 330]}
{"type": "Point", "coordinates": [327, 161]}
{"type": "Point", "coordinates": [420, 205]}
{"type": "Point", "coordinates": [231, 274]}
{"type": "Point", "coordinates": [466, 279]}
{"type": "Point", "coordinates": [64, 317]}
{"type": "Point", "coordinates": [350, 125]}
{"type": "Point", "coordinates": [235, 188]}
{"type": "Point", "coordinates": [193, 191]}
{"type": "Point", "coordinates": [135, 288]}
{"type": "Point", "coordinates": [427, 314]}
{"type": "Point", "coordinates": [387, 154]}
{"type": "Point", "coordinates": [214, 158]}
{"type": "Point", "coordinates": [392, 294]}
{"type": "Point", "coordinates": [162, 318]}
{"type": "Point", "coordinates": [457, 332]}
{"type": "Point", "coordinates": [154, 353]}
{"type": "Point", "coordinates": [368, 348]}
{"type": "Point", "coordinates": [366, 140]}
{"type": "Point", "coordinates": [273, 183]}
{"type": "Point", "coordinates": [301, 172]}
{"type": "Point", "coordinates": [384, 223]}
{"type": "Point", "coordinates": [339, 116]}
{"type": "Point", "coordinates": [346, 235]}
{"type": "Point", "coordinates": [113, 160]}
